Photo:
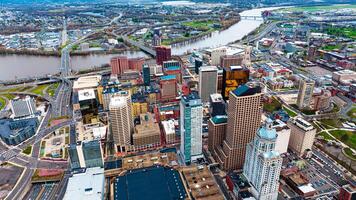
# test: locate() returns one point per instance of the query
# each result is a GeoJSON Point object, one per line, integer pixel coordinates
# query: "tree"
{"type": "Point", "coordinates": [344, 137]}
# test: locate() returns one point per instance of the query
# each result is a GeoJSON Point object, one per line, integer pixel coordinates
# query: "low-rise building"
{"type": "Point", "coordinates": [86, 184]}
{"type": "Point", "coordinates": [13, 132]}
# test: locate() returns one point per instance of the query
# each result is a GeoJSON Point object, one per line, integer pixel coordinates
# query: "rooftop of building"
{"type": "Point", "coordinates": [8, 129]}
{"type": "Point", "coordinates": [345, 72]}
{"type": "Point", "coordinates": [118, 101]}
{"type": "Point", "coordinates": [88, 185]}
{"type": "Point", "coordinates": [191, 96]}
{"type": "Point", "coordinates": [87, 82]}
{"type": "Point", "coordinates": [267, 132]}
{"type": "Point", "coordinates": [271, 155]}
{"type": "Point", "coordinates": [169, 126]}
{"type": "Point", "coordinates": [216, 97]}
{"type": "Point", "coordinates": [149, 159]}
{"type": "Point", "coordinates": [86, 94]}
{"type": "Point", "coordinates": [201, 182]}
{"type": "Point", "coordinates": [150, 183]}
{"type": "Point", "coordinates": [172, 68]}
{"type": "Point", "coordinates": [208, 68]}
{"type": "Point", "coordinates": [168, 77]}
{"type": "Point", "coordinates": [246, 90]}
{"type": "Point", "coordinates": [239, 180]}
{"type": "Point", "coordinates": [111, 90]}
{"type": "Point", "coordinates": [306, 188]}
{"type": "Point", "coordinates": [219, 119]}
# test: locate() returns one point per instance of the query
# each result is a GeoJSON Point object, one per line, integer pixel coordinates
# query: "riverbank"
{"type": "Point", "coordinates": [58, 53]}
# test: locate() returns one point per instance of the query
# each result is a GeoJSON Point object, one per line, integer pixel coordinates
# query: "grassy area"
{"type": "Point", "coordinates": [2, 103]}
{"type": "Point", "coordinates": [28, 150]}
{"type": "Point", "coordinates": [349, 153]}
{"type": "Point", "coordinates": [43, 147]}
{"type": "Point", "coordinates": [272, 106]}
{"type": "Point", "coordinates": [320, 8]}
{"type": "Point", "coordinates": [9, 96]}
{"type": "Point", "coordinates": [39, 89]}
{"type": "Point", "coordinates": [336, 123]}
{"type": "Point", "coordinates": [51, 90]}
{"type": "Point", "coordinates": [290, 112]}
{"type": "Point", "coordinates": [348, 32]}
{"type": "Point", "coordinates": [352, 112]}
{"type": "Point", "coordinates": [307, 112]}
{"type": "Point", "coordinates": [347, 137]}
{"type": "Point", "coordinates": [331, 47]}
{"type": "Point", "coordinates": [200, 25]}
{"type": "Point", "coordinates": [326, 136]}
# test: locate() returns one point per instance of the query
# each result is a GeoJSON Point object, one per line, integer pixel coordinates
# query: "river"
{"type": "Point", "coordinates": [25, 66]}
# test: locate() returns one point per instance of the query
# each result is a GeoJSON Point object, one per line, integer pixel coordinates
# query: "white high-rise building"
{"type": "Point", "coordinates": [121, 121]}
{"type": "Point", "coordinates": [216, 55]}
{"type": "Point", "coordinates": [305, 94]}
{"type": "Point", "coordinates": [208, 82]}
{"type": "Point", "coordinates": [23, 107]}
{"type": "Point", "coordinates": [191, 120]}
{"type": "Point", "coordinates": [263, 164]}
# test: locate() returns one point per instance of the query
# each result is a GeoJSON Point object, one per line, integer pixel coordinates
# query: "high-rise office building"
{"type": "Point", "coordinates": [197, 64]}
{"type": "Point", "coordinates": [121, 121]}
{"type": "Point", "coordinates": [231, 60]}
{"type": "Point", "coordinates": [216, 55]}
{"type": "Point", "coordinates": [217, 105]}
{"type": "Point", "coordinates": [233, 76]}
{"type": "Point", "coordinates": [191, 120]}
{"type": "Point", "coordinates": [163, 53]}
{"type": "Point", "coordinates": [208, 82]}
{"type": "Point", "coordinates": [302, 135]}
{"type": "Point", "coordinates": [168, 86]}
{"type": "Point", "coordinates": [119, 65]}
{"type": "Point", "coordinates": [246, 62]}
{"type": "Point", "coordinates": [146, 75]}
{"type": "Point", "coordinates": [86, 154]}
{"type": "Point", "coordinates": [305, 94]}
{"type": "Point", "coordinates": [23, 107]}
{"type": "Point", "coordinates": [171, 63]}
{"type": "Point", "coordinates": [217, 128]}
{"type": "Point", "coordinates": [156, 40]}
{"type": "Point", "coordinates": [244, 119]}
{"type": "Point", "coordinates": [263, 164]}
{"type": "Point", "coordinates": [136, 63]}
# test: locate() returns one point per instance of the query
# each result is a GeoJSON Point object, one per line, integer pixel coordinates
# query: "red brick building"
{"type": "Point", "coordinates": [163, 53]}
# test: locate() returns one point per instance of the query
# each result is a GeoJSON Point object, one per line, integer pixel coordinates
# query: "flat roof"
{"type": "Point", "coordinates": [88, 185]}
{"type": "Point", "coordinates": [306, 188]}
{"type": "Point", "coordinates": [150, 183]}
{"type": "Point", "coordinates": [86, 94]}
{"type": "Point", "coordinates": [168, 77]}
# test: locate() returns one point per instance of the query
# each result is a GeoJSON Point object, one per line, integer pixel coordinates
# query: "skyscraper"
{"type": "Point", "coordinates": [216, 54]}
{"type": "Point", "coordinates": [168, 86]}
{"type": "Point", "coordinates": [302, 135]}
{"type": "Point", "coordinates": [86, 154]}
{"type": "Point", "coordinates": [305, 94]}
{"type": "Point", "coordinates": [163, 53]}
{"type": "Point", "coordinates": [217, 128]}
{"type": "Point", "coordinates": [217, 105]}
{"type": "Point", "coordinates": [231, 60]}
{"type": "Point", "coordinates": [263, 164]}
{"type": "Point", "coordinates": [121, 121]}
{"type": "Point", "coordinates": [208, 82]}
{"type": "Point", "coordinates": [119, 65]}
{"type": "Point", "coordinates": [146, 75]}
{"type": "Point", "coordinates": [233, 76]}
{"type": "Point", "coordinates": [197, 64]}
{"type": "Point", "coordinates": [191, 119]}
{"type": "Point", "coordinates": [247, 57]}
{"type": "Point", "coordinates": [244, 119]}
